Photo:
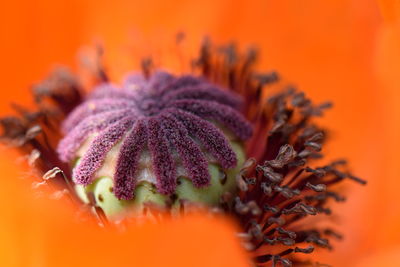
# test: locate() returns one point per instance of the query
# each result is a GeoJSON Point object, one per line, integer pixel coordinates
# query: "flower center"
{"type": "Point", "coordinates": [150, 105]}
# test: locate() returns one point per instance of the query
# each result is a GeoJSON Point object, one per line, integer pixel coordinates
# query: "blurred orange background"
{"type": "Point", "coordinates": [347, 51]}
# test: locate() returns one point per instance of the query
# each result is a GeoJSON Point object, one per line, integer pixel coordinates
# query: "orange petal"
{"type": "Point", "coordinates": [390, 9]}
{"type": "Point", "coordinates": [384, 258]}
{"type": "Point", "coordinates": [40, 231]}
{"type": "Point", "coordinates": [387, 66]}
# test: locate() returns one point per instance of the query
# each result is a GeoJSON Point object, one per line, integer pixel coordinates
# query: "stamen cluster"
{"type": "Point", "coordinates": [281, 184]}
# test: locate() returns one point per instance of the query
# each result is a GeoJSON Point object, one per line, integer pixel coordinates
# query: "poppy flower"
{"type": "Point", "coordinates": [201, 116]}
{"type": "Point", "coordinates": [353, 80]}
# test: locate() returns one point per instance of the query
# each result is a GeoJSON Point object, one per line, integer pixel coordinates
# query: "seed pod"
{"type": "Point", "coordinates": [162, 140]}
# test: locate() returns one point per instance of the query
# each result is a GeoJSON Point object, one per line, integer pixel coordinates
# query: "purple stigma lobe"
{"type": "Point", "coordinates": [163, 162]}
{"type": "Point", "coordinates": [210, 137]}
{"type": "Point", "coordinates": [97, 152]}
{"type": "Point", "coordinates": [97, 122]}
{"type": "Point", "coordinates": [222, 113]}
{"type": "Point", "coordinates": [128, 159]}
{"type": "Point", "coordinates": [193, 159]}
{"type": "Point", "coordinates": [94, 107]}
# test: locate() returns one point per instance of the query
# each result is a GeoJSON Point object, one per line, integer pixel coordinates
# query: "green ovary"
{"type": "Point", "coordinates": [145, 193]}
